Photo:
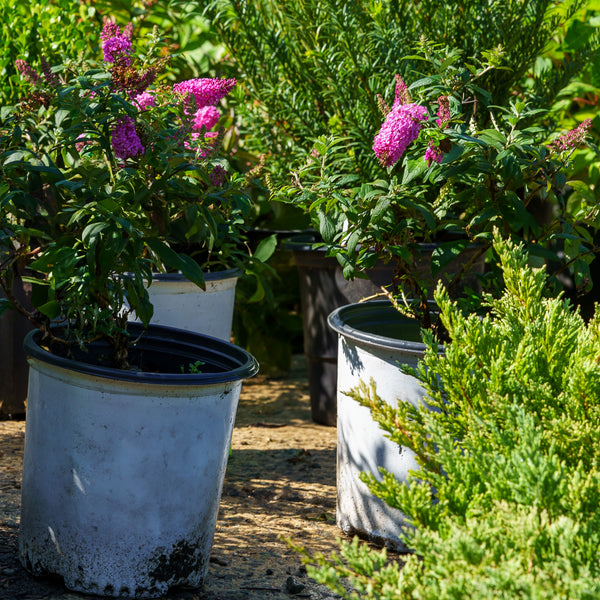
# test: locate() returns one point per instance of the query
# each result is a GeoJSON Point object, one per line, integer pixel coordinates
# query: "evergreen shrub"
{"type": "Point", "coordinates": [505, 502]}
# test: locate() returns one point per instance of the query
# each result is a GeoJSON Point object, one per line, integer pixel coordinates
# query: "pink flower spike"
{"type": "Point", "coordinates": [51, 78]}
{"type": "Point", "coordinates": [433, 154]}
{"type": "Point", "coordinates": [28, 73]}
{"type": "Point", "coordinates": [128, 31]}
{"type": "Point", "coordinates": [144, 101]}
{"type": "Point", "coordinates": [206, 92]}
{"type": "Point", "coordinates": [443, 112]}
{"type": "Point", "coordinates": [207, 117]}
{"type": "Point", "coordinates": [401, 127]}
{"type": "Point", "coordinates": [572, 138]}
{"type": "Point", "coordinates": [401, 95]}
{"type": "Point", "coordinates": [125, 140]}
{"type": "Point", "coordinates": [110, 29]}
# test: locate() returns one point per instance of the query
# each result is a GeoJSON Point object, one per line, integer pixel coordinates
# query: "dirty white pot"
{"type": "Point", "coordinates": [182, 304]}
{"type": "Point", "coordinates": [123, 470]}
{"type": "Point", "coordinates": [373, 338]}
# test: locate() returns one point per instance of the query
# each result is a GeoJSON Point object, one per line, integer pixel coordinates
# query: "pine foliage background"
{"type": "Point", "coordinates": [316, 67]}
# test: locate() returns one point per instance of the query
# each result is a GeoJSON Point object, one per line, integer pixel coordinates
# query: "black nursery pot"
{"type": "Point", "coordinates": [323, 288]}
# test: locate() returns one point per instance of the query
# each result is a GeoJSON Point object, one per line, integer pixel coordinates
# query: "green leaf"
{"type": "Point", "coordinates": [413, 169]}
{"type": "Point", "coordinates": [15, 156]}
{"type": "Point", "coordinates": [326, 226]}
{"type": "Point", "coordinates": [70, 185]}
{"type": "Point", "coordinates": [50, 309]}
{"type": "Point", "coordinates": [493, 137]}
{"type": "Point", "coordinates": [139, 303]}
{"type": "Point", "coordinates": [265, 248]}
{"type": "Point", "coordinates": [6, 111]}
{"type": "Point", "coordinates": [179, 262]}
{"type": "Point", "coordinates": [4, 305]}
{"type": "Point", "coordinates": [93, 230]}
{"type": "Point", "coordinates": [191, 270]}
{"type": "Point", "coordinates": [445, 253]}
{"type": "Point", "coordinates": [578, 35]}
{"type": "Point", "coordinates": [60, 115]}
{"type": "Point", "coordinates": [259, 292]}
{"type": "Point", "coordinates": [166, 254]}
{"type": "Point", "coordinates": [352, 242]}
{"type": "Point", "coordinates": [380, 209]}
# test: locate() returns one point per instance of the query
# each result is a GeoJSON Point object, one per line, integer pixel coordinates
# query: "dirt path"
{"type": "Point", "coordinates": [280, 482]}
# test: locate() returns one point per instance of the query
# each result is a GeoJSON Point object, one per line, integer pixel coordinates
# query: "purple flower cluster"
{"type": "Point", "coordinates": [206, 91]}
{"type": "Point", "coordinates": [125, 140]}
{"type": "Point", "coordinates": [433, 154]}
{"type": "Point", "coordinates": [144, 101]}
{"type": "Point", "coordinates": [572, 138]}
{"type": "Point", "coordinates": [400, 128]}
{"type": "Point", "coordinates": [443, 112]}
{"type": "Point", "coordinates": [218, 176]}
{"type": "Point", "coordinates": [116, 45]}
{"type": "Point", "coordinates": [28, 73]}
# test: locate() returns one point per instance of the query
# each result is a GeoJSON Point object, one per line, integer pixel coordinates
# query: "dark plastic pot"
{"type": "Point", "coordinates": [13, 362]}
{"type": "Point", "coordinates": [157, 356]}
{"type": "Point", "coordinates": [323, 288]}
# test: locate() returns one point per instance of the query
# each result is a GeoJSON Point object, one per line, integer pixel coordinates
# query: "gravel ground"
{"type": "Point", "coordinates": [280, 483]}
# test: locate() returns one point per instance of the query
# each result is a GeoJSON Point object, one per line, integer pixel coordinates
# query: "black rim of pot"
{"type": "Point", "coordinates": [358, 322]}
{"type": "Point", "coordinates": [228, 363]}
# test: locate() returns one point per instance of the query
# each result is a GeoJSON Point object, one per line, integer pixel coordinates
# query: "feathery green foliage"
{"type": "Point", "coordinates": [504, 504]}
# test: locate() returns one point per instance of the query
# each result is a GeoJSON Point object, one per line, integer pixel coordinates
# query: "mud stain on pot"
{"type": "Point", "coordinates": [184, 560]}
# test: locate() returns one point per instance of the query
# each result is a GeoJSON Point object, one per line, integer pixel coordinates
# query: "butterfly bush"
{"type": "Point", "coordinates": [401, 126]}
{"type": "Point", "coordinates": [205, 92]}
{"type": "Point", "coordinates": [116, 45]}
{"type": "Point", "coordinates": [144, 101]}
{"type": "Point", "coordinates": [110, 172]}
{"type": "Point", "coordinates": [125, 140]}
{"type": "Point", "coordinates": [452, 166]}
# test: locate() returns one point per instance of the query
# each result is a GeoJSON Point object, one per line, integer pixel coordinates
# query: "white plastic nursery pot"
{"type": "Point", "coordinates": [182, 304]}
{"type": "Point", "coordinates": [123, 470]}
{"type": "Point", "coordinates": [373, 338]}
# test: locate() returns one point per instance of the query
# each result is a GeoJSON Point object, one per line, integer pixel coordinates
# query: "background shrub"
{"type": "Point", "coordinates": [316, 67]}
{"type": "Point", "coordinates": [60, 29]}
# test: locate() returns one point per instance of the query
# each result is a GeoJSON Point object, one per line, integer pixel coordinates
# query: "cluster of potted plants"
{"type": "Point", "coordinates": [111, 176]}
{"type": "Point", "coordinates": [457, 167]}
{"type": "Point", "coordinates": [113, 182]}
{"type": "Point", "coordinates": [315, 71]}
